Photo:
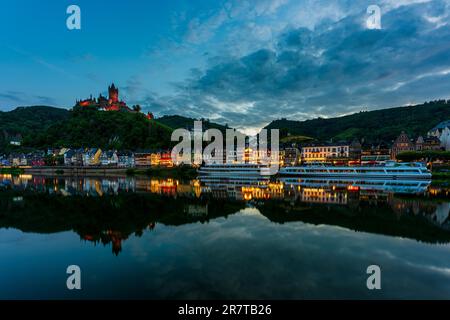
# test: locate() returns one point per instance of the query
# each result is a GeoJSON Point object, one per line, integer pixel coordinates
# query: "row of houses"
{"type": "Point", "coordinates": [23, 159]}
{"type": "Point", "coordinates": [114, 158]}
{"type": "Point", "coordinates": [437, 139]}
{"type": "Point", "coordinates": [89, 157]}
{"type": "Point", "coordinates": [404, 144]}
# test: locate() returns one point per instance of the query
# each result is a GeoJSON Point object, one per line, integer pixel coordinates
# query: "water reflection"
{"type": "Point", "coordinates": [108, 210]}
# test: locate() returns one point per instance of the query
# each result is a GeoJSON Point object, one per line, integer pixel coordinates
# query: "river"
{"type": "Point", "coordinates": [140, 237]}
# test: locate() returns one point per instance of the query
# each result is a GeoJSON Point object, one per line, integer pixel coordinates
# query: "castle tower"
{"type": "Point", "coordinates": [113, 94]}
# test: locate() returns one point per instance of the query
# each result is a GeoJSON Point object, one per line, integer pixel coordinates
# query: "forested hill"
{"type": "Point", "coordinates": [176, 122]}
{"type": "Point", "coordinates": [373, 126]}
{"type": "Point", "coordinates": [108, 130]}
{"type": "Point", "coordinates": [40, 127]}
{"type": "Point", "coordinates": [28, 121]}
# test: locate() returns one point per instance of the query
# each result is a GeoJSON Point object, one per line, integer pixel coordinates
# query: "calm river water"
{"type": "Point", "coordinates": [156, 238]}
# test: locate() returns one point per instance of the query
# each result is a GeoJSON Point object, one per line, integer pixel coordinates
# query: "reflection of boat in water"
{"type": "Point", "coordinates": [235, 181]}
{"type": "Point", "coordinates": [390, 170]}
{"type": "Point", "coordinates": [386, 185]}
{"type": "Point", "coordinates": [234, 174]}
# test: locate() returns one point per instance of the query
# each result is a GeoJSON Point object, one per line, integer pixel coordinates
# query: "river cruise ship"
{"type": "Point", "coordinates": [235, 171]}
{"type": "Point", "coordinates": [389, 170]}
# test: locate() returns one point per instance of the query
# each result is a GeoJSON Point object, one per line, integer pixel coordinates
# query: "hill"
{"type": "Point", "coordinates": [27, 121]}
{"type": "Point", "coordinates": [372, 126]}
{"type": "Point", "coordinates": [92, 128]}
{"type": "Point", "coordinates": [176, 122]}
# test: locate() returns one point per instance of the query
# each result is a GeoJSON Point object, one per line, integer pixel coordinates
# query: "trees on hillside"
{"type": "Point", "coordinates": [427, 156]}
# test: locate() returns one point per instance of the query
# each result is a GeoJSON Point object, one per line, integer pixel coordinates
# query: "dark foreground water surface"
{"type": "Point", "coordinates": [155, 238]}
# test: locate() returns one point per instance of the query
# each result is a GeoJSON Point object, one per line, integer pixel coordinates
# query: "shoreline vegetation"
{"type": "Point", "coordinates": [13, 171]}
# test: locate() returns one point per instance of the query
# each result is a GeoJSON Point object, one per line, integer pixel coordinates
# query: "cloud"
{"type": "Point", "coordinates": [44, 63]}
{"type": "Point", "coordinates": [44, 100]}
{"type": "Point", "coordinates": [202, 28]}
{"type": "Point", "coordinates": [18, 97]}
{"type": "Point", "coordinates": [13, 96]}
{"type": "Point", "coordinates": [334, 68]}
{"type": "Point", "coordinates": [133, 86]}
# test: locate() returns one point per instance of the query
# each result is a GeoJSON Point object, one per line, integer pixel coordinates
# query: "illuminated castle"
{"type": "Point", "coordinates": [101, 103]}
{"type": "Point", "coordinates": [112, 103]}
{"type": "Point", "coordinates": [113, 94]}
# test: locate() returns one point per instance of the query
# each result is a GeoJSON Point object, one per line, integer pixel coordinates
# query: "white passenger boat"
{"type": "Point", "coordinates": [389, 170]}
{"type": "Point", "coordinates": [387, 185]}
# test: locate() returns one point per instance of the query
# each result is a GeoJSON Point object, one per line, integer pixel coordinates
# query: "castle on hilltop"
{"type": "Point", "coordinates": [112, 103]}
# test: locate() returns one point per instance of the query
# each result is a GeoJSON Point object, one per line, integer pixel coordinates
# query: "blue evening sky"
{"type": "Point", "coordinates": [241, 62]}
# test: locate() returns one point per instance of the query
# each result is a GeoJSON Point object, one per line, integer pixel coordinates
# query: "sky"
{"type": "Point", "coordinates": [239, 62]}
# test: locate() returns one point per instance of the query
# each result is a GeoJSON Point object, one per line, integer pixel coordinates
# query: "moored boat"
{"type": "Point", "coordinates": [389, 170]}
{"type": "Point", "coordinates": [234, 171]}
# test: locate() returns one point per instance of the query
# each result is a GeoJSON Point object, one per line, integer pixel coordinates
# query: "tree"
{"type": "Point", "coordinates": [137, 108]}
{"type": "Point", "coordinates": [428, 156]}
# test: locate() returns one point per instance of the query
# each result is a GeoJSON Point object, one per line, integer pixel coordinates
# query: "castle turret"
{"type": "Point", "coordinates": [113, 94]}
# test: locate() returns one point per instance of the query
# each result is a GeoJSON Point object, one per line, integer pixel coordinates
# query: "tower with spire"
{"type": "Point", "coordinates": [110, 103]}
{"type": "Point", "coordinates": [113, 93]}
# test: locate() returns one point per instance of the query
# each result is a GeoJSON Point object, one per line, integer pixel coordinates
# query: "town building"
{"type": "Point", "coordinates": [143, 159]}
{"type": "Point", "coordinates": [109, 158]}
{"type": "Point", "coordinates": [68, 157]}
{"type": "Point", "coordinates": [18, 159]}
{"type": "Point", "coordinates": [166, 159]}
{"type": "Point", "coordinates": [74, 157]}
{"type": "Point", "coordinates": [16, 140]}
{"type": "Point", "coordinates": [323, 153]}
{"type": "Point", "coordinates": [291, 156]}
{"type": "Point", "coordinates": [125, 159]}
{"type": "Point", "coordinates": [428, 143]}
{"type": "Point", "coordinates": [401, 144]}
{"type": "Point", "coordinates": [442, 132]}
{"type": "Point", "coordinates": [36, 159]}
{"type": "Point", "coordinates": [92, 157]}
{"type": "Point", "coordinates": [355, 150]}
{"type": "Point", "coordinates": [376, 153]}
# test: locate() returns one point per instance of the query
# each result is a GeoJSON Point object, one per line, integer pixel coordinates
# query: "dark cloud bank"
{"type": "Point", "coordinates": [335, 69]}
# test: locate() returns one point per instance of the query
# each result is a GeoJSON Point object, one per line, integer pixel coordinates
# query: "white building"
{"type": "Point", "coordinates": [442, 131]}
{"type": "Point", "coordinates": [109, 158]}
{"type": "Point", "coordinates": [325, 152]}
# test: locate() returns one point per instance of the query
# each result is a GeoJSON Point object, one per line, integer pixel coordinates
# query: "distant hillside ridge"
{"type": "Point", "coordinates": [180, 122]}
{"type": "Point", "coordinates": [103, 129]}
{"type": "Point", "coordinates": [25, 122]}
{"type": "Point", "coordinates": [372, 126]}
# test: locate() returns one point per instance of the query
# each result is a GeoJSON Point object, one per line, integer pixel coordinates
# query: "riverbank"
{"type": "Point", "coordinates": [14, 171]}
{"type": "Point", "coordinates": [441, 179]}
{"type": "Point", "coordinates": [76, 171]}
{"type": "Point", "coordinates": [180, 172]}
